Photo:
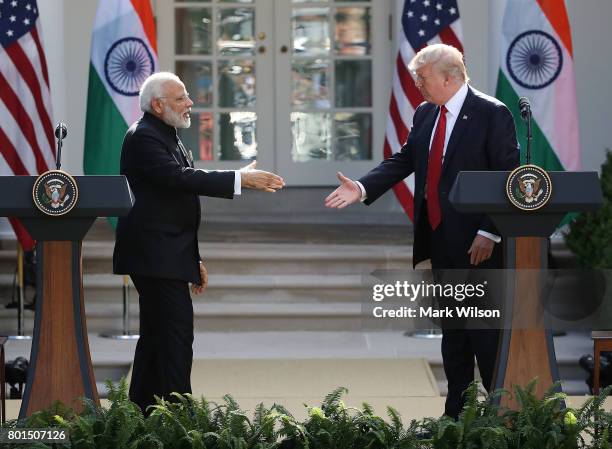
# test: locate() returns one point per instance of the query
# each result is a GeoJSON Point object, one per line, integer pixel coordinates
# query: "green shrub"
{"type": "Point", "coordinates": [480, 425]}
{"type": "Point", "coordinates": [590, 235]}
{"type": "Point", "coordinates": [187, 422]}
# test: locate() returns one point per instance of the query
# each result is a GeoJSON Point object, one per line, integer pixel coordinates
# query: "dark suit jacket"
{"type": "Point", "coordinates": [485, 140]}
{"type": "Point", "coordinates": [158, 238]}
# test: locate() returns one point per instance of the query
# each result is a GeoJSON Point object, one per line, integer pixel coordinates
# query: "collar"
{"type": "Point", "coordinates": [455, 104]}
{"type": "Point", "coordinates": [160, 125]}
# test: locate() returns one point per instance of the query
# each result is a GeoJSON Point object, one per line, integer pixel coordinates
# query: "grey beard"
{"type": "Point", "coordinates": [175, 119]}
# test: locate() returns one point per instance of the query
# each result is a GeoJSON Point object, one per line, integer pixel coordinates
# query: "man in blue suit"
{"type": "Point", "coordinates": [457, 128]}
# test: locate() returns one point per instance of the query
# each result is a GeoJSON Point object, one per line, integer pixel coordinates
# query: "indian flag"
{"type": "Point", "coordinates": [537, 63]}
{"type": "Point", "coordinates": [123, 55]}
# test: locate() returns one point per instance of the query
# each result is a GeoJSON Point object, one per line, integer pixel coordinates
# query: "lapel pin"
{"type": "Point", "coordinates": [464, 117]}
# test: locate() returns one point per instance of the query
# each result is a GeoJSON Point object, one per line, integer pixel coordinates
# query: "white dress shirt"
{"type": "Point", "coordinates": [453, 107]}
{"type": "Point", "coordinates": [237, 182]}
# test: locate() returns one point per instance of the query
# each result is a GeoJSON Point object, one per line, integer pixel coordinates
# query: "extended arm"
{"type": "Point", "coordinates": [149, 158]}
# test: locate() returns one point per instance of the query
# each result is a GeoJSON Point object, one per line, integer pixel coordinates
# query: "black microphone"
{"type": "Point", "coordinates": [524, 107]}
{"type": "Point", "coordinates": [61, 127]}
{"type": "Point", "coordinates": [60, 132]}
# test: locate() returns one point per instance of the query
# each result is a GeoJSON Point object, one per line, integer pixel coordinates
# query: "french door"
{"type": "Point", "coordinates": [300, 85]}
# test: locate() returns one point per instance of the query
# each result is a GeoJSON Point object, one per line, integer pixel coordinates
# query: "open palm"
{"type": "Point", "coordinates": [345, 195]}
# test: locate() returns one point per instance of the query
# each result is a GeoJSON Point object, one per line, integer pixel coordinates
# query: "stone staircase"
{"type": "Point", "coordinates": [310, 281]}
{"type": "Point", "coordinates": [252, 286]}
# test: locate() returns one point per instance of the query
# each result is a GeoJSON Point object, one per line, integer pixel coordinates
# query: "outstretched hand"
{"type": "Point", "coordinates": [345, 195]}
{"type": "Point", "coordinates": [252, 178]}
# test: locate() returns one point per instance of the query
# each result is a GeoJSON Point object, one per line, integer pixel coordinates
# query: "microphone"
{"type": "Point", "coordinates": [61, 127]}
{"type": "Point", "coordinates": [60, 133]}
{"type": "Point", "coordinates": [524, 107]}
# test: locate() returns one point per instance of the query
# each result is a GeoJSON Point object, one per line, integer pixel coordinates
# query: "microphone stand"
{"type": "Point", "coordinates": [527, 119]}
{"type": "Point", "coordinates": [58, 161]}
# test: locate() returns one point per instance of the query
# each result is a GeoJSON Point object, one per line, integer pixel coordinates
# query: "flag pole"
{"type": "Point", "coordinates": [21, 298]}
{"type": "Point", "coordinates": [125, 335]}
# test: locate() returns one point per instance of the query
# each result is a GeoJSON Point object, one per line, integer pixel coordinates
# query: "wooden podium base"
{"type": "Point", "coordinates": [60, 362]}
{"type": "Point", "coordinates": [526, 350]}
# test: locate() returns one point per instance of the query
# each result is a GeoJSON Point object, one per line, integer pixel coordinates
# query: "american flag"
{"type": "Point", "coordinates": [424, 22]}
{"type": "Point", "coordinates": [26, 132]}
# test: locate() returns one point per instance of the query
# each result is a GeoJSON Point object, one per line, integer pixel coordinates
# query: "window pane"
{"type": "Point", "coordinates": [311, 135]}
{"type": "Point", "coordinates": [310, 31]}
{"type": "Point", "coordinates": [353, 83]}
{"type": "Point", "coordinates": [237, 83]}
{"type": "Point", "coordinates": [353, 139]}
{"type": "Point", "coordinates": [198, 138]}
{"type": "Point", "coordinates": [197, 77]}
{"type": "Point", "coordinates": [193, 31]}
{"type": "Point", "coordinates": [236, 31]}
{"type": "Point", "coordinates": [309, 83]}
{"type": "Point", "coordinates": [237, 136]}
{"type": "Point", "coordinates": [352, 31]}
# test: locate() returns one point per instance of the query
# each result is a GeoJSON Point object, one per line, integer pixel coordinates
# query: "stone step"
{"type": "Point", "coordinates": [260, 258]}
{"type": "Point", "coordinates": [220, 316]}
{"type": "Point", "coordinates": [103, 288]}
{"type": "Point", "coordinates": [280, 258]}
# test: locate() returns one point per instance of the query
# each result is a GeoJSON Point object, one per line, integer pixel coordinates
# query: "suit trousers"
{"type": "Point", "coordinates": [164, 353]}
{"type": "Point", "coordinates": [461, 345]}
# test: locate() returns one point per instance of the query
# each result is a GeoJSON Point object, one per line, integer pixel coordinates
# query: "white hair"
{"type": "Point", "coordinates": [446, 58]}
{"type": "Point", "coordinates": [152, 88]}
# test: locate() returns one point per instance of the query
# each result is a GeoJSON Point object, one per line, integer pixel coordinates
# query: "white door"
{"type": "Point", "coordinates": [219, 48]}
{"type": "Point", "coordinates": [300, 85]}
{"type": "Point", "coordinates": [331, 105]}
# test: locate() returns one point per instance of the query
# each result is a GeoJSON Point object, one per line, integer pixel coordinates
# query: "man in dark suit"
{"type": "Point", "coordinates": [457, 128]}
{"type": "Point", "coordinates": [157, 242]}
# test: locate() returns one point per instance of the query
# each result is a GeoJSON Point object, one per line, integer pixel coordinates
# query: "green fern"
{"type": "Point", "coordinates": [186, 422]}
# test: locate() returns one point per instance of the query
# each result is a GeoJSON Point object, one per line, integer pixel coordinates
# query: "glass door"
{"type": "Point", "coordinates": [301, 85]}
{"type": "Point", "coordinates": [331, 104]}
{"type": "Point", "coordinates": [221, 50]}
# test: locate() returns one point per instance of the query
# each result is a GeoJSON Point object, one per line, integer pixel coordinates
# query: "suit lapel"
{"type": "Point", "coordinates": [461, 124]}
{"type": "Point", "coordinates": [186, 156]}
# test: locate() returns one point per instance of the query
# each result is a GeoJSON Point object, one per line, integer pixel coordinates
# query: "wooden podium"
{"type": "Point", "coordinates": [60, 362]}
{"type": "Point", "coordinates": [526, 348]}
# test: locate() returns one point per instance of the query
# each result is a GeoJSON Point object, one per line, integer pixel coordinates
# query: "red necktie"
{"type": "Point", "coordinates": [434, 169]}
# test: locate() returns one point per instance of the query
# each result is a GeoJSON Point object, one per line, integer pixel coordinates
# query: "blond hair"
{"type": "Point", "coordinates": [446, 58]}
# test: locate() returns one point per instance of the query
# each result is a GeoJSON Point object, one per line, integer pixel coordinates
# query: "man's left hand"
{"type": "Point", "coordinates": [481, 249]}
{"type": "Point", "coordinates": [196, 289]}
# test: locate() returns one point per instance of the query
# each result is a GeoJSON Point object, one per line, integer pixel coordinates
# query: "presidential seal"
{"type": "Point", "coordinates": [55, 193]}
{"type": "Point", "coordinates": [528, 187]}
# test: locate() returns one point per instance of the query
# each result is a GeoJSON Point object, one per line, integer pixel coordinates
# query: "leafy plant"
{"type": "Point", "coordinates": [590, 235]}
{"type": "Point", "coordinates": [336, 426]}
{"type": "Point", "coordinates": [186, 422]}
{"type": "Point", "coordinates": [543, 423]}
{"type": "Point", "coordinates": [480, 425]}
